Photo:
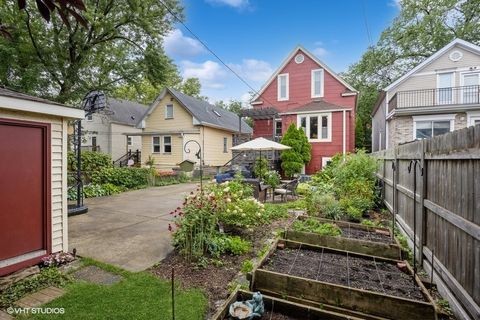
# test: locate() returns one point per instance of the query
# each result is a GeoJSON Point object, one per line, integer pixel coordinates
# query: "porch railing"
{"type": "Point", "coordinates": [463, 95]}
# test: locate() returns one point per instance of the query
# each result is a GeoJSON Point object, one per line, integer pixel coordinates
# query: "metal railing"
{"type": "Point", "coordinates": [435, 97]}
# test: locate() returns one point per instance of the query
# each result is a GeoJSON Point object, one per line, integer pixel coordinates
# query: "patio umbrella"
{"type": "Point", "coordinates": [260, 144]}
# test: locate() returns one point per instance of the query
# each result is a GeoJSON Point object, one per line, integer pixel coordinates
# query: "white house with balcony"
{"type": "Point", "coordinates": [439, 95]}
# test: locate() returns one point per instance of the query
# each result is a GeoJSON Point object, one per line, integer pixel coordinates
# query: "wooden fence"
{"type": "Point", "coordinates": [447, 200]}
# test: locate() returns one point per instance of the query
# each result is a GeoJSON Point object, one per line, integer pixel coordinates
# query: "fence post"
{"type": "Point", "coordinates": [422, 200]}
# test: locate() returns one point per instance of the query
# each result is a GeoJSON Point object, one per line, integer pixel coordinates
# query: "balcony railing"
{"type": "Point", "coordinates": [435, 97]}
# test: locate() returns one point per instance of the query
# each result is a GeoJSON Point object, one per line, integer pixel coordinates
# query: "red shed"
{"type": "Point", "coordinates": [308, 93]}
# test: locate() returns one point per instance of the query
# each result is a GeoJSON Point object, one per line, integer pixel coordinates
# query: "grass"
{"type": "Point", "coordinates": [138, 296]}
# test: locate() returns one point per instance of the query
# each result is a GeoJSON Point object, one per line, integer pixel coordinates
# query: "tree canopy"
{"type": "Point", "coordinates": [121, 46]}
{"type": "Point", "coordinates": [421, 28]}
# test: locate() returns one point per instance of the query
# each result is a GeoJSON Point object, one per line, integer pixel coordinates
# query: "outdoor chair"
{"type": "Point", "coordinates": [289, 188]}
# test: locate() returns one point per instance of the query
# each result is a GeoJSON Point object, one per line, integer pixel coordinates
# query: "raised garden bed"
{"type": "Point", "coordinates": [364, 284]}
{"type": "Point", "coordinates": [279, 309]}
{"type": "Point", "coordinates": [354, 237]}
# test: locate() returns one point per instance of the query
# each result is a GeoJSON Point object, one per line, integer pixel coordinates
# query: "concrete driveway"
{"type": "Point", "coordinates": [129, 230]}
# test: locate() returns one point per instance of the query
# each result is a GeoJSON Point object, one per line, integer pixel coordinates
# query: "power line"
{"type": "Point", "coordinates": [210, 50]}
{"type": "Point", "coordinates": [366, 23]}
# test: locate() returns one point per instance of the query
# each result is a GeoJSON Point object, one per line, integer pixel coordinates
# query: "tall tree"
{"type": "Point", "coordinates": [421, 28]}
{"type": "Point", "coordinates": [236, 107]}
{"type": "Point", "coordinates": [300, 152]}
{"type": "Point", "coordinates": [121, 45]}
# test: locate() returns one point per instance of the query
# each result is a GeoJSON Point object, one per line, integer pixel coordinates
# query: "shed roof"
{"type": "Point", "coordinates": [14, 100]}
{"type": "Point", "coordinates": [205, 113]}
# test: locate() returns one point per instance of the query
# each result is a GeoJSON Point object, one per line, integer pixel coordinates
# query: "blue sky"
{"type": "Point", "coordinates": [254, 36]}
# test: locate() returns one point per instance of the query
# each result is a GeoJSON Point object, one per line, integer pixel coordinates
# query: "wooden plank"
{"type": "Point", "coordinates": [391, 251]}
{"type": "Point", "coordinates": [351, 298]}
{"type": "Point", "coordinates": [461, 223]}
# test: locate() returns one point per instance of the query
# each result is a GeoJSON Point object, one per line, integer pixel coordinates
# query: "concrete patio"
{"type": "Point", "coordinates": [128, 230]}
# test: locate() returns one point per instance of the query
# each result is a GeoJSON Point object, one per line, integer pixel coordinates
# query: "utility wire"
{"type": "Point", "coordinates": [210, 50]}
{"type": "Point", "coordinates": [364, 10]}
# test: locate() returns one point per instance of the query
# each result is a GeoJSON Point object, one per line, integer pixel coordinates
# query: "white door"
{"type": "Point", "coordinates": [445, 83]}
{"type": "Point", "coordinates": [470, 92]}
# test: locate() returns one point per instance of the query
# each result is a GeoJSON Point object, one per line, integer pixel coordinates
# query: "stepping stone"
{"type": "Point", "coordinates": [96, 275]}
{"type": "Point", "coordinates": [38, 298]}
{"type": "Point", "coordinates": [5, 316]}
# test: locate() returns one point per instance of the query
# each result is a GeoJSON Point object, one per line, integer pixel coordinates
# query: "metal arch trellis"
{"type": "Point", "coordinates": [198, 154]}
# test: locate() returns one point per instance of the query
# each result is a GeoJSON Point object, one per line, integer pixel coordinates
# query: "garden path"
{"type": "Point", "coordinates": [130, 229]}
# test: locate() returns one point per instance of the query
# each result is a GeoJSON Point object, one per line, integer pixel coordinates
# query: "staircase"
{"type": "Point", "coordinates": [123, 160]}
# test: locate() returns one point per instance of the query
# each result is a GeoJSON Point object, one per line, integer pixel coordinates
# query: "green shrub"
{"type": "Point", "coordinates": [325, 205]}
{"type": "Point", "coordinates": [315, 226]}
{"type": "Point", "coordinates": [91, 161]}
{"type": "Point", "coordinates": [131, 178]}
{"type": "Point", "coordinates": [247, 266]}
{"type": "Point", "coordinates": [272, 178]}
{"type": "Point", "coordinates": [299, 154]}
{"type": "Point", "coordinates": [274, 212]}
{"type": "Point", "coordinates": [243, 213]}
{"type": "Point", "coordinates": [221, 244]}
{"type": "Point", "coordinates": [96, 190]}
{"type": "Point", "coordinates": [303, 188]}
{"type": "Point", "coordinates": [260, 168]}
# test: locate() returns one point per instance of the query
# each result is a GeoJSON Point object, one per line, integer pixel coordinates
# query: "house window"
{"type": "Point", "coordinates": [167, 144]}
{"type": "Point", "coordinates": [303, 124]}
{"type": "Point", "coordinates": [426, 127]}
{"type": "Point", "coordinates": [89, 117]}
{"type": "Point", "coordinates": [278, 127]}
{"type": "Point", "coordinates": [326, 161]}
{"type": "Point", "coordinates": [225, 145]}
{"type": "Point", "coordinates": [156, 144]}
{"type": "Point", "coordinates": [473, 118]}
{"type": "Point", "coordinates": [317, 127]}
{"type": "Point", "coordinates": [94, 142]}
{"type": "Point", "coordinates": [282, 84]}
{"type": "Point", "coordinates": [445, 83]}
{"type": "Point", "coordinates": [129, 141]}
{"type": "Point", "coordinates": [317, 83]}
{"type": "Point", "coordinates": [470, 88]}
{"type": "Point", "coordinates": [169, 111]}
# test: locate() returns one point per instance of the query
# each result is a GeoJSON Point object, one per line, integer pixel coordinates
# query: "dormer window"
{"type": "Point", "coordinates": [282, 87]}
{"type": "Point", "coordinates": [317, 83]}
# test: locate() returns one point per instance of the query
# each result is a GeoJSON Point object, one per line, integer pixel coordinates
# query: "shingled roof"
{"type": "Point", "coordinates": [316, 105]}
{"type": "Point", "coordinates": [205, 113]}
{"type": "Point", "coordinates": [126, 112]}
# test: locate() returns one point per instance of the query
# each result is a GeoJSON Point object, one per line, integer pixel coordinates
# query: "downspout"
{"type": "Point", "coordinates": [344, 134]}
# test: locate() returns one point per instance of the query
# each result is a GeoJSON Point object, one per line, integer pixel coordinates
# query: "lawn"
{"type": "Point", "coordinates": [138, 296]}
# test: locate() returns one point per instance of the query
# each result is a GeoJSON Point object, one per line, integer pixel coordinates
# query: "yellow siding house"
{"type": "Point", "coordinates": [174, 119]}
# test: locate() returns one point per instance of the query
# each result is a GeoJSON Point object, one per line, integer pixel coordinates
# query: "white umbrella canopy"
{"type": "Point", "coordinates": [260, 144]}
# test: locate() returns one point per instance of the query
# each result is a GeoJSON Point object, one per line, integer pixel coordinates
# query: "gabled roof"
{"type": "Point", "coordinates": [457, 42]}
{"type": "Point", "coordinates": [318, 105]}
{"type": "Point", "coordinates": [126, 112]}
{"type": "Point", "coordinates": [311, 56]}
{"type": "Point", "coordinates": [205, 113]}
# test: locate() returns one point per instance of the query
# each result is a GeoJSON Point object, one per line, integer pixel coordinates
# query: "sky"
{"type": "Point", "coordinates": [253, 37]}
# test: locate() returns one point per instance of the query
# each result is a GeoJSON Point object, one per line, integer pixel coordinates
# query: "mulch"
{"type": "Point", "coordinates": [214, 280]}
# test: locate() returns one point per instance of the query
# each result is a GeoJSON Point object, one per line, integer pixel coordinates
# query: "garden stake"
{"type": "Point", "coordinates": [173, 294]}
{"type": "Point", "coordinates": [414, 163]}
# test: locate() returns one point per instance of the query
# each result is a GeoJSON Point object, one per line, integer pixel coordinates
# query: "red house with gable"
{"type": "Point", "coordinates": [308, 93]}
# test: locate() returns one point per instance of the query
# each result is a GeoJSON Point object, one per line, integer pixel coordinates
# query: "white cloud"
{"type": "Point", "coordinates": [176, 43]}
{"type": "Point", "coordinates": [230, 3]}
{"type": "Point", "coordinates": [209, 73]}
{"type": "Point", "coordinates": [320, 51]}
{"type": "Point", "coordinates": [318, 43]}
{"type": "Point", "coordinates": [253, 70]}
{"type": "Point", "coordinates": [245, 99]}
{"type": "Point", "coordinates": [396, 3]}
